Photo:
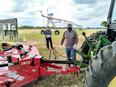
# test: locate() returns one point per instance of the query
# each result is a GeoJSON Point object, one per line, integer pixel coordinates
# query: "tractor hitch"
{"type": "Point", "coordinates": [57, 61]}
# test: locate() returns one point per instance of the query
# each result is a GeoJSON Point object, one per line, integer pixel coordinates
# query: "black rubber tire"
{"type": "Point", "coordinates": [102, 68]}
{"type": "Point", "coordinates": [57, 32]}
{"type": "Point", "coordinates": [42, 31]}
{"type": "Point", "coordinates": [19, 47]}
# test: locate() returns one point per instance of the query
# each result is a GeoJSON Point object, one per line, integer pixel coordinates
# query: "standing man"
{"type": "Point", "coordinates": [71, 40]}
{"type": "Point", "coordinates": [48, 36]}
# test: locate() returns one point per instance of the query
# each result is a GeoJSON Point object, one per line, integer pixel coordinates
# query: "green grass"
{"type": "Point", "coordinates": [0, 46]}
{"type": "Point", "coordinates": [34, 37]}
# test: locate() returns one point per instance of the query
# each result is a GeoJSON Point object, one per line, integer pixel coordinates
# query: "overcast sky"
{"type": "Point", "coordinates": [88, 13]}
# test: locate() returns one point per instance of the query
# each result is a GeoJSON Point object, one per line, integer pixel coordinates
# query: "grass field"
{"type": "Point", "coordinates": [33, 37]}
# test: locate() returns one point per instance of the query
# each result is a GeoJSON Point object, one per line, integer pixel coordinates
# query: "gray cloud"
{"type": "Point", "coordinates": [92, 14]}
{"type": "Point", "coordinates": [85, 12]}
{"type": "Point", "coordinates": [84, 1]}
{"type": "Point", "coordinates": [83, 18]}
{"type": "Point", "coordinates": [20, 5]}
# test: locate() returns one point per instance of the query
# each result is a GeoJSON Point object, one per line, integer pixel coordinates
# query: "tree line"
{"type": "Point", "coordinates": [103, 23]}
{"type": "Point", "coordinates": [30, 27]}
{"type": "Point", "coordinates": [37, 27]}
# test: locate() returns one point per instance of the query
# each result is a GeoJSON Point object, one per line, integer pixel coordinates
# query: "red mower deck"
{"type": "Point", "coordinates": [23, 68]}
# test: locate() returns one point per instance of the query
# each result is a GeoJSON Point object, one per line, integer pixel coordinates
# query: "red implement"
{"type": "Point", "coordinates": [27, 69]}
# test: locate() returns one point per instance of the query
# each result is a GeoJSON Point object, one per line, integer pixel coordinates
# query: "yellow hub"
{"type": "Point", "coordinates": [113, 83]}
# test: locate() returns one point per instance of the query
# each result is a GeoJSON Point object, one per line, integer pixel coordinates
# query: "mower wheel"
{"type": "Point", "coordinates": [19, 47]}
{"type": "Point", "coordinates": [102, 68]}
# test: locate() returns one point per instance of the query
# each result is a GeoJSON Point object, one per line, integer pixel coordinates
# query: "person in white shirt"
{"type": "Point", "coordinates": [48, 36]}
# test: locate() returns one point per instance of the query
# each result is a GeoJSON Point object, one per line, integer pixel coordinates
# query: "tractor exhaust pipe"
{"type": "Point", "coordinates": [84, 34]}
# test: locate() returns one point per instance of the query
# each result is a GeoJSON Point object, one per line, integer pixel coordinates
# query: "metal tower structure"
{"type": "Point", "coordinates": [53, 21]}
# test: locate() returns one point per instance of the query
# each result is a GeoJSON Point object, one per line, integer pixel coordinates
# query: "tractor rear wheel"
{"type": "Point", "coordinates": [102, 68]}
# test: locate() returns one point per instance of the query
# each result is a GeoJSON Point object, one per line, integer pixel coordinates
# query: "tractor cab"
{"type": "Point", "coordinates": [111, 20]}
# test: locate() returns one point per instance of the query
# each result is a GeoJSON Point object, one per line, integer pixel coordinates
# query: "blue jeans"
{"type": "Point", "coordinates": [70, 53]}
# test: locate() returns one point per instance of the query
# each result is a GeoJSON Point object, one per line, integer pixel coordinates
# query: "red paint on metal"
{"type": "Point", "coordinates": [25, 73]}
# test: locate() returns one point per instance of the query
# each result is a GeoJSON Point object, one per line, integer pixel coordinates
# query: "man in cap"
{"type": "Point", "coordinates": [71, 40]}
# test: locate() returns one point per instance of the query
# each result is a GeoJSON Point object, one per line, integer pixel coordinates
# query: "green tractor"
{"type": "Point", "coordinates": [99, 53]}
{"type": "Point", "coordinates": [91, 47]}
